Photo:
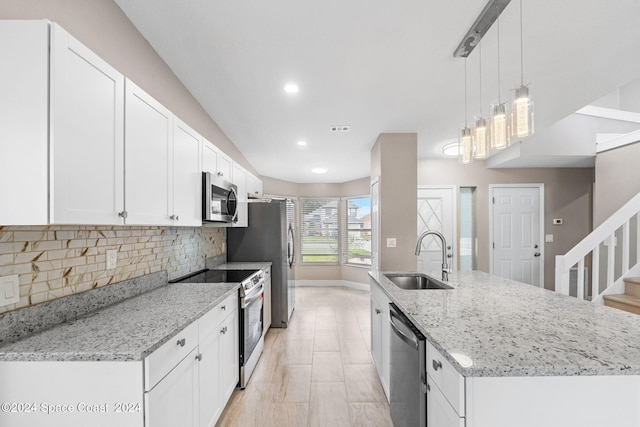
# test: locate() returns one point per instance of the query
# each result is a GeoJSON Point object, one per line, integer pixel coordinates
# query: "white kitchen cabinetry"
{"type": "Point", "coordinates": [254, 186]}
{"type": "Point", "coordinates": [148, 159]}
{"type": "Point", "coordinates": [187, 179]}
{"type": "Point", "coordinates": [215, 161]}
{"type": "Point", "coordinates": [381, 335]}
{"type": "Point", "coordinates": [267, 299]}
{"type": "Point", "coordinates": [240, 180]}
{"type": "Point", "coordinates": [445, 391]}
{"type": "Point", "coordinates": [439, 412]}
{"type": "Point", "coordinates": [87, 139]}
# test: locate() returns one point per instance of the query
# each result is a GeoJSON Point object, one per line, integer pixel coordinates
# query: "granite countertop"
{"type": "Point", "coordinates": [507, 328]}
{"type": "Point", "coordinates": [126, 331]}
{"type": "Point", "coordinates": [243, 266]}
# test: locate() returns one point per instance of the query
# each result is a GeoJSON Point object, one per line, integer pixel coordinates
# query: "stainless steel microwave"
{"type": "Point", "coordinates": [219, 199]}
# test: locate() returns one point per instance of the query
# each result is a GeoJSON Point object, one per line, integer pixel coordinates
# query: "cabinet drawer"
{"type": "Point", "coordinates": [159, 363]}
{"type": "Point", "coordinates": [217, 314]}
{"type": "Point", "coordinates": [378, 294]}
{"type": "Point", "coordinates": [445, 376]}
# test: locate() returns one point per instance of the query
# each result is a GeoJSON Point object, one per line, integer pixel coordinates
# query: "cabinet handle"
{"type": "Point", "coordinates": [223, 330]}
{"type": "Point", "coordinates": [220, 174]}
{"type": "Point", "coordinates": [428, 387]}
{"type": "Point", "coordinates": [182, 342]}
{"type": "Point", "coordinates": [174, 217]}
{"type": "Point", "coordinates": [123, 214]}
{"type": "Point", "coordinates": [436, 364]}
{"type": "Point", "coordinates": [224, 307]}
{"type": "Point", "coordinates": [177, 218]}
{"type": "Point", "coordinates": [199, 357]}
{"type": "Point", "coordinates": [378, 311]}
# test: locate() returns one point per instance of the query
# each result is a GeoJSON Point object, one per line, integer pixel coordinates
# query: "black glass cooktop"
{"type": "Point", "coordinates": [215, 276]}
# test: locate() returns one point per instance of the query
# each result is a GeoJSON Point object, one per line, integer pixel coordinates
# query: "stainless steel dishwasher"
{"type": "Point", "coordinates": [408, 372]}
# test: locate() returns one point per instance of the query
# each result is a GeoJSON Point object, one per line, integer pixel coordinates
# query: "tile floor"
{"type": "Point", "coordinates": [317, 372]}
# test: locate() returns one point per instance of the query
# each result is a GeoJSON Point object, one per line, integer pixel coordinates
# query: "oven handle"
{"type": "Point", "coordinates": [251, 298]}
{"type": "Point", "coordinates": [412, 341]}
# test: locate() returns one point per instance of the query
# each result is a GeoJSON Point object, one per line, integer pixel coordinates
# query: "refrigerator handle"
{"type": "Point", "coordinates": [291, 246]}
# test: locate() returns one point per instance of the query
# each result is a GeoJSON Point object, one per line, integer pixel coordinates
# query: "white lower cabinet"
{"type": "Point", "coordinates": [381, 335]}
{"type": "Point", "coordinates": [439, 412]}
{"type": "Point", "coordinates": [196, 390]}
{"type": "Point", "coordinates": [267, 299]}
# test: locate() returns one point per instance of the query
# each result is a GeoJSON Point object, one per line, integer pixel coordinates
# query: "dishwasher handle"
{"type": "Point", "coordinates": [393, 318]}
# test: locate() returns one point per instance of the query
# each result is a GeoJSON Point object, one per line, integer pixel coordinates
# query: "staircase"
{"type": "Point", "coordinates": [630, 300]}
{"type": "Point", "coordinates": [612, 253]}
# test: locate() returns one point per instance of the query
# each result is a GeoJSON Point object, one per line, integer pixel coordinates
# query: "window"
{"type": "Point", "coordinates": [358, 233]}
{"type": "Point", "coordinates": [319, 231]}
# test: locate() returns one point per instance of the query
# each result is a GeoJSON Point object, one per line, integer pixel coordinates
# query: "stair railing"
{"type": "Point", "coordinates": [604, 235]}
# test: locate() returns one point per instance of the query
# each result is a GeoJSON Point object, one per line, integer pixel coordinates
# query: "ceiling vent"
{"type": "Point", "coordinates": [339, 128]}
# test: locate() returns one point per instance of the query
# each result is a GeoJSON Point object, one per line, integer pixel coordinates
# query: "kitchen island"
{"type": "Point", "coordinates": [523, 355]}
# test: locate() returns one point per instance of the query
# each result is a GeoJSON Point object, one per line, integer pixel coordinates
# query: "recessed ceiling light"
{"type": "Point", "coordinates": [291, 88]}
{"type": "Point", "coordinates": [451, 149]}
{"type": "Point", "coordinates": [319, 171]}
{"type": "Point", "coordinates": [302, 143]}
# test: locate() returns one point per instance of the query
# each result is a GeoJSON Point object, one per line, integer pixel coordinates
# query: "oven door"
{"type": "Point", "coordinates": [252, 306]}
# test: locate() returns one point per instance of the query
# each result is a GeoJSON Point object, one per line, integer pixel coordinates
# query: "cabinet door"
{"type": "Point", "coordinates": [87, 135]}
{"type": "Point", "coordinates": [225, 166]}
{"type": "Point", "coordinates": [174, 400]}
{"type": "Point", "coordinates": [376, 335]}
{"type": "Point", "coordinates": [210, 385]}
{"type": "Point", "coordinates": [381, 350]}
{"type": "Point", "coordinates": [24, 109]}
{"type": "Point", "coordinates": [229, 357]}
{"type": "Point", "coordinates": [439, 412]}
{"type": "Point", "coordinates": [209, 157]}
{"type": "Point", "coordinates": [148, 184]}
{"type": "Point", "coordinates": [240, 180]}
{"type": "Point", "coordinates": [187, 178]}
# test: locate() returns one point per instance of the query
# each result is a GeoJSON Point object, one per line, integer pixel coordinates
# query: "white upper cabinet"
{"type": "Point", "coordinates": [240, 180]}
{"type": "Point", "coordinates": [24, 106]}
{"type": "Point", "coordinates": [216, 161]}
{"type": "Point", "coordinates": [87, 136]}
{"type": "Point", "coordinates": [187, 178]}
{"type": "Point", "coordinates": [148, 159]}
{"type": "Point", "coordinates": [254, 186]}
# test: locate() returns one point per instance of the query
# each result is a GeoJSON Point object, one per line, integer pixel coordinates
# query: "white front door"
{"type": "Point", "coordinates": [436, 212]}
{"type": "Point", "coordinates": [517, 228]}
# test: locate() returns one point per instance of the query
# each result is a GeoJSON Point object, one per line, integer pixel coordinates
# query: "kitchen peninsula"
{"type": "Point", "coordinates": [513, 354]}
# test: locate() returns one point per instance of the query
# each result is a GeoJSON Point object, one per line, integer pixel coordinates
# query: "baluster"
{"type": "Point", "coordinates": [595, 272]}
{"type": "Point", "coordinates": [638, 237]}
{"type": "Point", "coordinates": [611, 259]}
{"type": "Point", "coordinates": [580, 281]}
{"type": "Point", "coordinates": [625, 247]}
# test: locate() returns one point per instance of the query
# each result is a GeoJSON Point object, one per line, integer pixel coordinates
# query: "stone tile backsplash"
{"type": "Point", "coordinates": [56, 261]}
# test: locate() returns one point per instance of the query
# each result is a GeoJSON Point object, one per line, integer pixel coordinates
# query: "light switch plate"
{"type": "Point", "coordinates": [112, 256]}
{"type": "Point", "coordinates": [548, 238]}
{"type": "Point", "coordinates": [391, 242]}
{"type": "Point", "coordinates": [9, 290]}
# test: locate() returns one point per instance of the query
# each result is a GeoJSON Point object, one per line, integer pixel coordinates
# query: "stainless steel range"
{"type": "Point", "coordinates": [251, 305]}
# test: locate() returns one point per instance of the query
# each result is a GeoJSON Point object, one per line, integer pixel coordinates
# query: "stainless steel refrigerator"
{"type": "Point", "coordinates": [270, 236]}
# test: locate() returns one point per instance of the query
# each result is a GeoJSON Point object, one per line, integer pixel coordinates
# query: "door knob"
{"type": "Point", "coordinates": [536, 254]}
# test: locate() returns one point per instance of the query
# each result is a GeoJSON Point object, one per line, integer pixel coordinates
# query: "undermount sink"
{"type": "Point", "coordinates": [416, 281]}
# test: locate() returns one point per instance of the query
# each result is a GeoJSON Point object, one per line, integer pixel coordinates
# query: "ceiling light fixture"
{"type": "Point", "coordinates": [480, 131]}
{"type": "Point", "coordinates": [499, 125]}
{"type": "Point", "coordinates": [451, 149]}
{"type": "Point", "coordinates": [319, 171]}
{"type": "Point", "coordinates": [302, 143]}
{"type": "Point", "coordinates": [291, 88]}
{"type": "Point", "coordinates": [522, 109]}
{"type": "Point", "coordinates": [466, 139]}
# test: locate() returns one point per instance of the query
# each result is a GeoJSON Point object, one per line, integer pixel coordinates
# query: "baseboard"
{"type": "Point", "coordinates": [345, 283]}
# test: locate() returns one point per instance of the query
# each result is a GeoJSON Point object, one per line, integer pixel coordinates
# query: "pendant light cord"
{"type": "Point", "coordinates": [521, 53]}
{"type": "Point", "coordinates": [480, 61]}
{"type": "Point", "coordinates": [465, 92]}
{"type": "Point", "coordinates": [498, 28]}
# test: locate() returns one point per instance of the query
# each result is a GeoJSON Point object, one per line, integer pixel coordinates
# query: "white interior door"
{"type": "Point", "coordinates": [517, 228]}
{"type": "Point", "coordinates": [436, 212]}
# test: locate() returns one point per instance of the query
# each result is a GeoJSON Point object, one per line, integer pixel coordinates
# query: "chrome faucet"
{"type": "Point", "coordinates": [445, 267]}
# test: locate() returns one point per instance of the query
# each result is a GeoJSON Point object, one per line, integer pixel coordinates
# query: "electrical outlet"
{"type": "Point", "coordinates": [391, 242]}
{"type": "Point", "coordinates": [112, 256]}
{"type": "Point", "coordinates": [9, 290]}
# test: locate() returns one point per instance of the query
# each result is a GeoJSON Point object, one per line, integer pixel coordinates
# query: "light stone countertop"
{"type": "Point", "coordinates": [243, 266]}
{"type": "Point", "coordinates": [126, 331]}
{"type": "Point", "coordinates": [512, 329]}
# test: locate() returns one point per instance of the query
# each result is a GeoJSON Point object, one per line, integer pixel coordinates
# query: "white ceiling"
{"type": "Point", "coordinates": [378, 66]}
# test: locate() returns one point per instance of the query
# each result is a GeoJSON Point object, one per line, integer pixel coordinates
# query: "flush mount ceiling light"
{"type": "Point", "coordinates": [451, 149]}
{"type": "Point", "coordinates": [291, 88]}
{"type": "Point", "coordinates": [302, 143]}
{"type": "Point", "coordinates": [319, 171]}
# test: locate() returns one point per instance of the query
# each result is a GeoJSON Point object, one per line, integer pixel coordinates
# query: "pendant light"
{"type": "Point", "coordinates": [522, 109]}
{"type": "Point", "coordinates": [480, 131]}
{"type": "Point", "coordinates": [499, 125]}
{"type": "Point", "coordinates": [466, 138]}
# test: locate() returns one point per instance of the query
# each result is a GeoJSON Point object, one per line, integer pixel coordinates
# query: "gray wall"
{"type": "Point", "coordinates": [103, 27]}
{"type": "Point", "coordinates": [617, 179]}
{"type": "Point", "coordinates": [568, 195]}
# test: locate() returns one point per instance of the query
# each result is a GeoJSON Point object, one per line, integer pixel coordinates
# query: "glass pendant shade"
{"type": "Point", "coordinates": [522, 114]}
{"type": "Point", "coordinates": [466, 146]}
{"type": "Point", "coordinates": [481, 139]}
{"type": "Point", "coordinates": [499, 127]}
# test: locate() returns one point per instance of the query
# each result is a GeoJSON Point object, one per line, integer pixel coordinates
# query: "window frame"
{"type": "Point", "coordinates": [346, 230]}
{"type": "Point", "coordinates": [303, 229]}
